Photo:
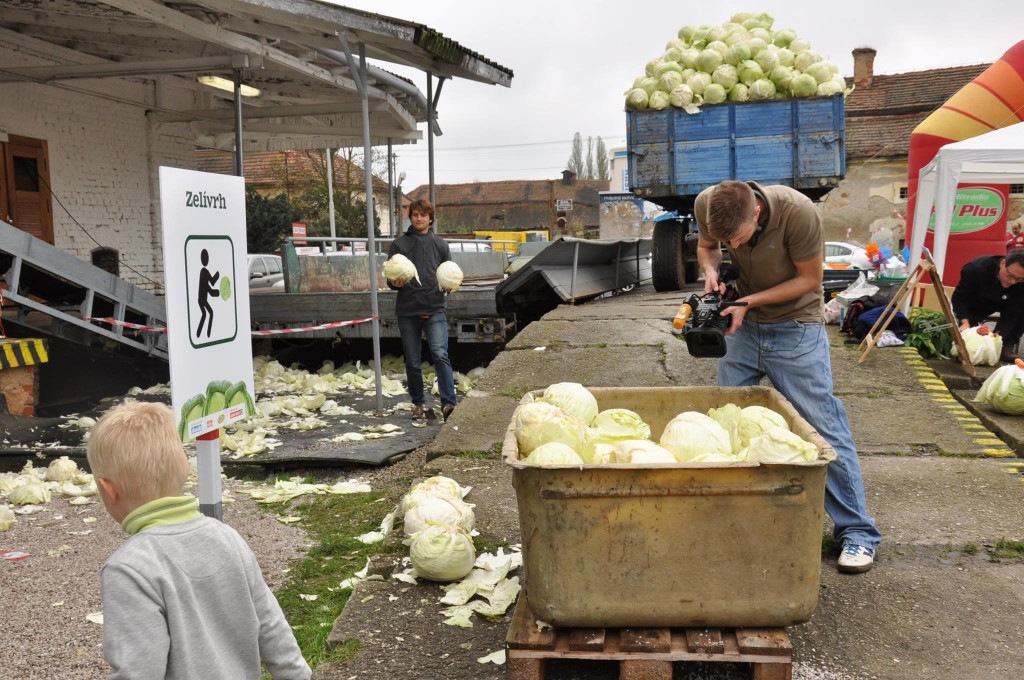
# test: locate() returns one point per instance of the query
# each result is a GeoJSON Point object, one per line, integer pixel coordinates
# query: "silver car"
{"type": "Point", "coordinates": [264, 272]}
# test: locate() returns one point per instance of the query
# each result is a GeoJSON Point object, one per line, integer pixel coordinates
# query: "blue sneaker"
{"type": "Point", "coordinates": [856, 559]}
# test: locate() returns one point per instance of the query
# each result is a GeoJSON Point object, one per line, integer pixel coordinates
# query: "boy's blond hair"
{"type": "Point", "coordinates": [137, 447]}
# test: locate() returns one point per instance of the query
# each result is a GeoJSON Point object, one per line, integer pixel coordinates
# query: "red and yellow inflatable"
{"type": "Point", "coordinates": [993, 100]}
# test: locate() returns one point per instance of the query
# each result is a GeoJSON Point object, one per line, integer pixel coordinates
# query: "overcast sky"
{"type": "Point", "coordinates": [573, 60]}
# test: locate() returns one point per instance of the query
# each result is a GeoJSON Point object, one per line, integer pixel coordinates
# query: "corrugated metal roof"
{"type": "Point", "coordinates": [309, 98]}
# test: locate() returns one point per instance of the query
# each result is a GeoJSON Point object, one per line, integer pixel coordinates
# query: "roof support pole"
{"type": "Point", "coordinates": [361, 77]}
{"type": "Point", "coordinates": [371, 243]}
{"type": "Point", "coordinates": [379, 75]}
{"type": "Point", "coordinates": [430, 138]}
{"type": "Point", "coordinates": [437, 94]}
{"type": "Point", "coordinates": [238, 122]}
{"type": "Point", "coordinates": [391, 191]}
{"type": "Point", "coordinates": [330, 196]}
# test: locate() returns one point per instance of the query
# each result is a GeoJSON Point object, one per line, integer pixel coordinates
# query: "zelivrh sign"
{"type": "Point", "coordinates": [207, 298]}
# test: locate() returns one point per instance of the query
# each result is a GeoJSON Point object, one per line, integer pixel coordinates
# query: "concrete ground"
{"type": "Point", "coordinates": [941, 476]}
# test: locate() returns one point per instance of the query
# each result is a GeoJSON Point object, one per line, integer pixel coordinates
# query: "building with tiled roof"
{"type": "Point", "coordinates": [293, 172]}
{"type": "Point", "coordinates": [516, 205]}
{"type": "Point", "coordinates": [881, 113]}
{"type": "Point", "coordinates": [883, 110]}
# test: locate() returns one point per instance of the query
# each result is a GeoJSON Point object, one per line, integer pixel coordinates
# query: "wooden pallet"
{"type": "Point", "coordinates": [644, 653]}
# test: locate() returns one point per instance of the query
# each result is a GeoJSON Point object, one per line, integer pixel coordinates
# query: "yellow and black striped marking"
{"type": "Point", "coordinates": [17, 352]}
{"type": "Point", "coordinates": [988, 444]}
{"type": "Point", "coordinates": [1013, 467]}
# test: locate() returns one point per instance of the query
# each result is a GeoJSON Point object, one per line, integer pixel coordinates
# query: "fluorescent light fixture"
{"type": "Point", "coordinates": [228, 85]}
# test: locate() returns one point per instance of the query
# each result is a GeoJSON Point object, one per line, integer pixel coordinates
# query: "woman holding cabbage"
{"type": "Point", "coordinates": [411, 269]}
{"type": "Point", "coordinates": [775, 238]}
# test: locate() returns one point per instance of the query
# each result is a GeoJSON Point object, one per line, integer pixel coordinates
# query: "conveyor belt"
{"type": "Point", "coordinates": [54, 293]}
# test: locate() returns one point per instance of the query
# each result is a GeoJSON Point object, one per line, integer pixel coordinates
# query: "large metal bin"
{"type": "Point", "coordinates": [732, 545]}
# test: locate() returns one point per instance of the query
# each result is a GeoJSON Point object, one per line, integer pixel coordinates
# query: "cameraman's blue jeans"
{"type": "Point", "coordinates": [795, 357]}
{"type": "Point", "coordinates": [412, 330]}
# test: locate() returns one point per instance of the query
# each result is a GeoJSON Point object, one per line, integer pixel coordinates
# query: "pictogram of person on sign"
{"type": "Point", "coordinates": [207, 281]}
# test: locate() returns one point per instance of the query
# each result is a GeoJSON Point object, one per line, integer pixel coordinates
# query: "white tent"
{"type": "Point", "coordinates": [996, 157]}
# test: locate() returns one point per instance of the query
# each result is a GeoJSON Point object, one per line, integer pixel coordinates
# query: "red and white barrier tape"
{"type": "Point", "coordinates": [332, 324]}
{"type": "Point", "coordinates": [127, 324]}
{"type": "Point", "coordinates": [282, 331]}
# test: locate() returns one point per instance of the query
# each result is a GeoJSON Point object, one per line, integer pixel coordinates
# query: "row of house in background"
{"type": "Point", "coordinates": [564, 207]}
{"type": "Point", "coordinates": [511, 205]}
{"type": "Point", "coordinates": [293, 173]}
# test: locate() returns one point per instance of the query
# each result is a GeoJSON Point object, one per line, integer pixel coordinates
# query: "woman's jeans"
{"type": "Point", "coordinates": [412, 330]}
{"type": "Point", "coordinates": [795, 357]}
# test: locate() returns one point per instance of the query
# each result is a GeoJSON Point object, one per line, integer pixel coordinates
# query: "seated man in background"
{"type": "Point", "coordinates": [990, 284]}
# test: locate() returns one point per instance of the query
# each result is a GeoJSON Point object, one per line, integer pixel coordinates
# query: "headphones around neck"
{"type": "Point", "coordinates": [756, 235]}
{"type": "Point", "coordinates": [760, 227]}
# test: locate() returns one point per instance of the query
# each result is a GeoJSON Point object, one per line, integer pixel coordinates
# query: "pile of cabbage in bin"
{"type": "Point", "coordinates": [564, 427]}
{"type": "Point", "coordinates": [740, 60]}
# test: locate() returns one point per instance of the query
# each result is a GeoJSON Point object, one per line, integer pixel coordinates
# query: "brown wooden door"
{"type": "Point", "coordinates": [25, 196]}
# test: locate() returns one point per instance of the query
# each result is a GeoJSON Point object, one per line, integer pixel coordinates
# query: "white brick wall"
{"type": "Point", "coordinates": [103, 158]}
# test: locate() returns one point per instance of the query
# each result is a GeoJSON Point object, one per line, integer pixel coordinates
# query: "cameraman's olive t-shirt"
{"type": "Point", "coordinates": [791, 234]}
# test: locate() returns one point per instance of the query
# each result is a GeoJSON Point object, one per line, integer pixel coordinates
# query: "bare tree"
{"type": "Point", "coordinates": [601, 161]}
{"type": "Point", "coordinates": [576, 156]}
{"type": "Point", "coordinates": [595, 164]}
{"type": "Point", "coordinates": [352, 180]}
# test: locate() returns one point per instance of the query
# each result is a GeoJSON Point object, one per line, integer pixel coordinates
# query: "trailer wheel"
{"type": "Point", "coordinates": [667, 258]}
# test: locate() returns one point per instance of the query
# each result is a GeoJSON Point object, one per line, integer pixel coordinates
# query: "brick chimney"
{"type": "Point", "coordinates": [863, 66]}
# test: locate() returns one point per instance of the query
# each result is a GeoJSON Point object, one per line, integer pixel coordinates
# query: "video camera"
{"type": "Point", "coordinates": [700, 318]}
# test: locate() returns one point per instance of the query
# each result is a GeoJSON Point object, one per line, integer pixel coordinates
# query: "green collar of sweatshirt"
{"type": "Point", "coordinates": [170, 510]}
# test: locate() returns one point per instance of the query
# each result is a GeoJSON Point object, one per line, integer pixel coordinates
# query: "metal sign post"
{"type": "Point", "coordinates": [208, 472]}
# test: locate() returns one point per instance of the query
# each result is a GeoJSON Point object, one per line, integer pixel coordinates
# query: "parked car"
{"type": "Point", "coordinates": [837, 252]}
{"type": "Point", "coordinates": [264, 272]}
{"type": "Point", "coordinates": [470, 247]}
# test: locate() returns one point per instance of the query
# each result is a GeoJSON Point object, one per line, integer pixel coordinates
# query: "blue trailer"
{"type": "Point", "coordinates": [674, 155]}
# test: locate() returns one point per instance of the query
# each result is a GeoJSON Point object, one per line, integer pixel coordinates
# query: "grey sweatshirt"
{"type": "Point", "coordinates": [188, 601]}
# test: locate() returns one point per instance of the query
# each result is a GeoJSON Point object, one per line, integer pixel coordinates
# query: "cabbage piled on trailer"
{"type": "Point", "coordinates": [743, 59]}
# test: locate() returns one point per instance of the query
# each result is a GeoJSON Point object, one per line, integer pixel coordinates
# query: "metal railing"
{"type": "Point", "coordinates": [331, 244]}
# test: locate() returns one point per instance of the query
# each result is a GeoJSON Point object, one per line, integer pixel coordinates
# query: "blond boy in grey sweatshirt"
{"type": "Point", "coordinates": [183, 597]}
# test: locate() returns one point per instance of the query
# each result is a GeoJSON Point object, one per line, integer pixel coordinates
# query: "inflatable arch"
{"type": "Point", "coordinates": [993, 100]}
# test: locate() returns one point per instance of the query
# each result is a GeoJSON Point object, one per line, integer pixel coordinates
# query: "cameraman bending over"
{"type": "Point", "coordinates": [775, 239]}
